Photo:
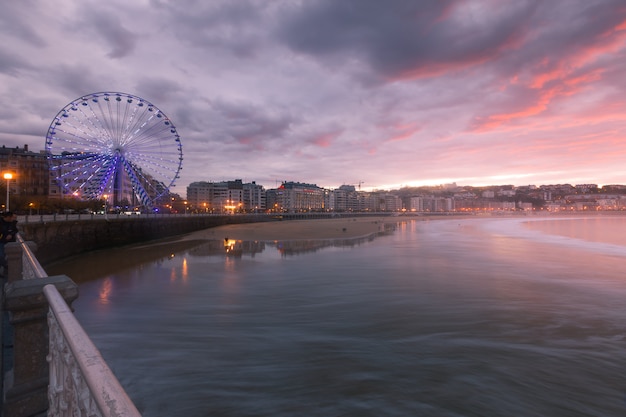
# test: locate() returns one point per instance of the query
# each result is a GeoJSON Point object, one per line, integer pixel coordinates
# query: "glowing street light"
{"type": "Point", "coordinates": [106, 197]}
{"type": "Point", "coordinates": [230, 206]}
{"type": "Point", "coordinates": [8, 176]}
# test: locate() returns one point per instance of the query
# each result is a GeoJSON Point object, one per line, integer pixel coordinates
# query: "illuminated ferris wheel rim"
{"type": "Point", "coordinates": [121, 132]}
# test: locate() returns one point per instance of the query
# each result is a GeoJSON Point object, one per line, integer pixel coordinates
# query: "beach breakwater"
{"type": "Point", "coordinates": [60, 239]}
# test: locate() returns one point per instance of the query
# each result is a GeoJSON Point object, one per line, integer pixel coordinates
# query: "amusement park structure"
{"type": "Point", "coordinates": [115, 146]}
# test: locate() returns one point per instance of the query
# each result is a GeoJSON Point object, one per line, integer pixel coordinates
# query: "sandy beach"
{"type": "Point", "coordinates": [299, 229]}
{"type": "Point", "coordinates": [340, 228]}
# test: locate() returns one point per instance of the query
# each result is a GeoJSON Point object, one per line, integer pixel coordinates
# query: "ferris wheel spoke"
{"type": "Point", "coordinates": [80, 171]}
{"type": "Point", "coordinates": [74, 134]}
{"type": "Point", "coordinates": [152, 154]}
{"type": "Point", "coordinates": [91, 124]}
{"type": "Point", "coordinates": [162, 170]}
{"type": "Point", "coordinates": [152, 133]}
{"type": "Point", "coordinates": [105, 121]}
{"type": "Point", "coordinates": [133, 124]}
{"type": "Point", "coordinates": [138, 184]}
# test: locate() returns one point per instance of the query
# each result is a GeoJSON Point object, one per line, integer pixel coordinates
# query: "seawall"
{"type": "Point", "coordinates": [60, 239]}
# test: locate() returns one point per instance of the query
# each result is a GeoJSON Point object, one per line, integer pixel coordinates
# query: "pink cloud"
{"type": "Point", "coordinates": [403, 132]}
{"type": "Point", "coordinates": [488, 123]}
{"type": "Point", "coordinates": [325, 140]}
{"type": "Point", "coordinates": [555, 78]}
{"type": "Point", "coordinates": [465, 60]}
{"type": "Point", "coordinates": [252, 142]}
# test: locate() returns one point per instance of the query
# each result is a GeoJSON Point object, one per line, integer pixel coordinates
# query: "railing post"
{"type": "Point", "coordinates": [13, 251]}
{"type": "Point", "coordinates": [26, 384]}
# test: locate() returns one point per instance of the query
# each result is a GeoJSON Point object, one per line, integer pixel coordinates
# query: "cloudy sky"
{"type": "Point", "coordinates": [388, 93]}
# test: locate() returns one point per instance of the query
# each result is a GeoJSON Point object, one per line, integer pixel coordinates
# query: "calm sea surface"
{"type": "Point", "coordinates": [476, 317]}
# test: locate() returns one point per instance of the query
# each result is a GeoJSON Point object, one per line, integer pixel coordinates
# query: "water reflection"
{"type": "Point", "coordinates": [297, 247]}
{"type": "Point", "coordinates": [239, 248]}
{"type": "Point", "coordinates": [105, 290]}
{"type": "Point", "coordinates": [185, 270]}
{"type": "Point", "coordinates": [439, 319]}
{"type": "Point", "coordinates": [98, 264]}
{"type": "Point", "coordinates": [93, 265]}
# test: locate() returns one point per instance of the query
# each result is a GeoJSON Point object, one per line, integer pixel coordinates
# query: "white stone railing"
{"type": "Point", "coordinates": [72, 379]}
{"type": "Point", "coordinates": [31, 268]}
{"type": "Point", "coordinates": [81, 383]}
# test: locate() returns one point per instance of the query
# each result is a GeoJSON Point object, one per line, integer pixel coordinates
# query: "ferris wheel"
{"type": "Point", "coordinates": [114, 146]}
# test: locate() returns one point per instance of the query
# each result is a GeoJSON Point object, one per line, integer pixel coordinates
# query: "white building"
{"type": "Point", "coordinates": [297, 196]}
{"type": "Point", "coordinates": [225, 196]}
{"type": "Point", "coordinates": [416, 204]}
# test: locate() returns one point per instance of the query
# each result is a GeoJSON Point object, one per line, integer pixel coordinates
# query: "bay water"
{"type": "Point", "coordinates": [460, 317]}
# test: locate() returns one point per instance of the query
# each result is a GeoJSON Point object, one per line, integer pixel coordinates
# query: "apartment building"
{"type": "Point", "coordinates": [297, 196]}
{"type": "Point", "coordinates": [29, 171]}
{"type": "Point", "coordinates": [225, 196]}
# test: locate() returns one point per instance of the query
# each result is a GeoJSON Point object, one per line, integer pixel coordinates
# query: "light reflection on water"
{"type": "Point", "coordinates": [440, 318]}
{"type": "Point", "coordinates": [105, 291]}
{"type": "Point", "coordinates": [97, 264]}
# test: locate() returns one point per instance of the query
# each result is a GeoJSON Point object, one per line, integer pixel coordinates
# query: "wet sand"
{"type": "Point", "coordinates": [342, 228]}
{"type": "Point", "coordinates": [298, 229]}
{"type": "Point", "coordinates": [598, 228]}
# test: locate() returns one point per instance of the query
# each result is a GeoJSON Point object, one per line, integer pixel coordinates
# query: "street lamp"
{"type": "Point", "coordinates": [8, 176]}
{"type": "Point", "coordinates": [105, 205]}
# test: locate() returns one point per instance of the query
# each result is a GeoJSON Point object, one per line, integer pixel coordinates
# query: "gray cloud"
{"type": "Point", "coordinates": [252, 126]}
{"type": "Point", "coordinates": [400, 38]}
{"type": "Point", "coordinates": [15, 21]}
{"type": "Point", "coordinates": [160, 90]}
{"type": "Point", "coordinates": [106, 25]}
{"type": "Point", "coordinates": [11, 64]}
{"type": "Point", "coordinates": [231, 27]}
{"type": "Point", "coordinates": [330, 91]}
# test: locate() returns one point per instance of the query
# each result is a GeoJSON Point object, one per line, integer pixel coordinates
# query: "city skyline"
{"type": "Point", "coordinates": [385, 94]}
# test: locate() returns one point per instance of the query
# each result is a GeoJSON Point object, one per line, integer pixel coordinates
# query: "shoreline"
{"type": "Point", "coordinates": [310, 229]}
{"type": "Point", "coordinates": [341, 228]}
{"type": "Point", "coordinates": [313, 229]}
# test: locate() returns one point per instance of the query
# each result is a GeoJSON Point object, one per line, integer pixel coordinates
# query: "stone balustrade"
{"type": "Point", "coordinates": [49, 364]}
{"type": "Point", "coordinates": [81, 383]}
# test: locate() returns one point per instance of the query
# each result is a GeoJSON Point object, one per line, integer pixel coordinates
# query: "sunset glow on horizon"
{"type": "Point", "coordinates": [361, 92]}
